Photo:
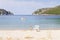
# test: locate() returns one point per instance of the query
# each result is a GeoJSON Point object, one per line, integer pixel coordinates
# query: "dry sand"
{"type": "Point", "coordinates": [29, 35]}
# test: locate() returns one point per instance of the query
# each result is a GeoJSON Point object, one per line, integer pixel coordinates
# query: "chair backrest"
{"type": "Point", "coordinates": [36, 27]}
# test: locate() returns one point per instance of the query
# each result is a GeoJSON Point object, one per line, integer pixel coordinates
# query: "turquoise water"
{"type": "Point", "coordinates": [25, 21]}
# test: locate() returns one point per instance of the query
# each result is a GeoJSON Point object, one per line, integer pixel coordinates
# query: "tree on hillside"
{"type": "Point", "coordinates": [48, 11]}
{"type": "Point", "coordinates": [4, 12]}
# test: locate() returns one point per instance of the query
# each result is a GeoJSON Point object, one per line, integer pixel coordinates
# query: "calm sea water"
{"type": "Point", "coordinates": [25, 21]}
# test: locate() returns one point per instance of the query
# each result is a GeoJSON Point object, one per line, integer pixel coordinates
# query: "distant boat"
{"type": "Point", "coordinates": [23, 19]}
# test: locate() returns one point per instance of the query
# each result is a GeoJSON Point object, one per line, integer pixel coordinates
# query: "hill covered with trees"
{"type": "Point", "coordinates": [4, 12]}
{"type": "Point", "coordinates": [48, 11]}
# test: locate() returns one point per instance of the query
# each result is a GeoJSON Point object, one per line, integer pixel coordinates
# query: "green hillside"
{"type": "Point", "coordinates": [55, 10]}
{"type": "Point", "coordinates": [52, 11]}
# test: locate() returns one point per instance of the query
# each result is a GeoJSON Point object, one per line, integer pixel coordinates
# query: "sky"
{"type": "Point", "coordinates": [26, 7]}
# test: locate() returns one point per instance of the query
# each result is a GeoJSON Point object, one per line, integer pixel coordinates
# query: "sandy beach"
{"type": "Point", "coordinates": [29, 35]}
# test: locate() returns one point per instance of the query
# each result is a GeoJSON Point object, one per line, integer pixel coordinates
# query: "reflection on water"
{"type": "Point", "coordinates": [24, 22]}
